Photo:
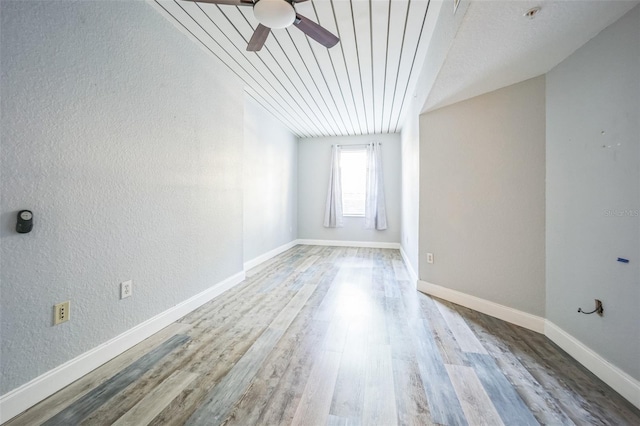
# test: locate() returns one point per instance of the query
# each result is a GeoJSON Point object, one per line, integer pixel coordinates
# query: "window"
{"type": "Point", "coordinates": [353, 168]}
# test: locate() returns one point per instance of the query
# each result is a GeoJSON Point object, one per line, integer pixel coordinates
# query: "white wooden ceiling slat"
{"type": "Point", "coordinates": [323, 64]}
{"type": "Point", "coordinates": [240, 32]}
{"type": "Point", "coordinates": [397, 22]}
{"type": "Point", "coordinates": [422, 46]}
{"type": "Point", "coordinates": [380, 12]}
{"type": "Point", "coordinates": [285, 42]}
{"type": "Point", "coordinates": [360, 86]}
{"type": "Point", "coordinates": [407, 65]}
{"type": "Point", "coordinates": [303, 46]}
{"type": "Point", "coordinates": [274, 57]}
{"type": "Point", "coordinates": [307, 44]}
{"type": "Point", "coordinates": [301, 84]}
{"type": "Point", "coordinates": [300, 45]}
{"type": "Point", "coordinates": [217, 28]}
{"type": "Point", "coordinates": [210, 42]}
{"type": "Point", "coordinates": [321, 54]}
{"type": "Point", "coordinates": [326, 17]}
{"type": "Point", "coordinates": [349, 54]}
{"type": "Point", "coordinates": [362, 31]}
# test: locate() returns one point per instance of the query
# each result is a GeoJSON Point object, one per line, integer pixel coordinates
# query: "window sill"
{"type": "Point", "coordinates": [353, 215]}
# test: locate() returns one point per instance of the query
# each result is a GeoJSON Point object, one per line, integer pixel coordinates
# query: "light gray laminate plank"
{"type": "Point", "coordinates": [538, 400]}
{"type": "Point", "coordinates": [65, 397]}
{"type": "Point", "coordinates": [238, 296]}
{"type": "Point", "coordinates": [80, 409]}
{"type": "Point", "coordinates": [506, 400]}
{"type": "Point", "coordinates": [379, 393]}
{"type": "Point", "coordinates": [342, 421]}
{"type": "Point", "coordinates": [218, 349]}
{"type": "Point", "coordinates": [278, 260]}
{"type": "Point", "coordinates": [313, 408]}
{"type": "Point", "coordinates": [336, 335]}
{"type": "Point", "coordinates": [390, 282]}
{"type": "Point", "coordinates": [274, 281]}
{"type": "Point", "coordinates": [467, 341]}
{"type": "Point", "coordinates": [281, 407]}
{"type": "Point", "coordinates": [213, 358]}
{"type": "Point", "coordinates": [220, 401]}
{"type": "Point", "coordinates": [348, 397]}
{"type": "Point", "coordinates": [226, 394]}
{"type": "Point", "coordinates": [603, 402]}
{"type": "Point", "coordinates": [284, 318]}
{"type": "Point", "coordinates": [311, 250]}
{"type": "Point", "coordinates": [155, 401]}
{"type": "Point", "coordinates": [400, 270]}
{"type": "Point", "coordinates": [400, 336]}
{"type": "Point", "coordinates": [442, 334]}
{"type": "Point", "coordinates": [325, 311]}
{"type": "Point", "coordinates": [577, 409]}
{"type": "Point", "coordinates": [270, 391]}
{"type": "Point", "coordinates": [411, 401]}
{"type": "Point", "coordinates": [476, 404]}
{"type": "Point", "coordinates": [443, 401]}
{"type": "Point", "coordinates": [307, 263]}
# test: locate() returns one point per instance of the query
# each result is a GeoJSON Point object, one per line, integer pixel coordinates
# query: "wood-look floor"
{"type": "Point", "coordinates": [336, 336]}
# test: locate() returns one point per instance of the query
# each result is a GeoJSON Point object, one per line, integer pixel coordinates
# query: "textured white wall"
{"type": "Point", "coordinates": [270, 182]}
{"type": "Point", "coordinates": [314, 158]}
{"type": "Point", "coordinates": [593, 192]}
{"type": "Point", "coordinates": [482, 170]}
{"type": "Point", "coordinates": [126, 142]}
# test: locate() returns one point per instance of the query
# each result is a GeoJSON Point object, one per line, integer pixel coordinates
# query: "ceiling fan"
{"type": "Point", "coordinates": [278, 14]}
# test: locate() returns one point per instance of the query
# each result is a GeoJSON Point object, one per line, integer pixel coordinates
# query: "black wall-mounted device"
{"type": "Point", "coordinates": [25, 222]}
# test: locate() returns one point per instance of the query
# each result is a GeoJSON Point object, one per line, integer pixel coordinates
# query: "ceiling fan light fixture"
{"type": "Point", "coordinates": [274, 13]}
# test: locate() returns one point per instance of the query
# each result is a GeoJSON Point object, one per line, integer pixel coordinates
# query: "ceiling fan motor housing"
{"type": "Point", "coordinates": [274, 13]}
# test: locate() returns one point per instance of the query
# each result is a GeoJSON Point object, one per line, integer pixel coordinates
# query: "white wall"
{"type": "Point", "coordinates": [125, 140]}
{"type": "Point", "coordinates": [410, 141]}
{"type": "Point", "coordinates": [314, 157]}
{"type": "Point", "coordinates": [270, 182]}
{"type": "Point", "coordinates": [593, 193]}
{"type": "Point", "coordinates": [482, 196]}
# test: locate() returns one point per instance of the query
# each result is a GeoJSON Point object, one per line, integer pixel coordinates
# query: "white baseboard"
{"type": "Point", "coordinates": [338, 243]}
{"type": "Point", "coordinates": [268, 255]}
{"type": "Point", "coordinates": [29, 394]}
{"type": "Point", "coordinates": [505, 313]}
{"type": "Point", "coordinates": [412, 272]}
{"type": "Point", "coordinates": [620, 381]}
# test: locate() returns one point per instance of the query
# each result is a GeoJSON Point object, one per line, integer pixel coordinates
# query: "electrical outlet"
{"type": "Point", "coordinates": [61, 312]}
{"type": "Point", "coordinates": [126, 289]}
{"type": "Point", "coordinates": [429, 257]}
{"type": "Point", "coordinates": [599, 308]}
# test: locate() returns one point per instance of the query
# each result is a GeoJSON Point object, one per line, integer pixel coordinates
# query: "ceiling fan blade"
{"type": "Point", "coordinates": [258, 38]}
{"type": "Point", "coordinates": [229, 2]}
{"type": "Point", "coordinates": [315, 31]}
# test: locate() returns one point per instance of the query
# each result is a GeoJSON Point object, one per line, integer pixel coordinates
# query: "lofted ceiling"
{"type": "Point", "coordinates": [367, 82]}
{"type": "Point", "coordinates": [360, 86]}
{"type": "Point", "coordinates": [496, 45]}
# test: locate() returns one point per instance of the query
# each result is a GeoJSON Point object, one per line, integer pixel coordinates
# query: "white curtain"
{"type": "Point", "coordinates": [333, 210]}
{"type": "Point", "coordinates": [375, 213]}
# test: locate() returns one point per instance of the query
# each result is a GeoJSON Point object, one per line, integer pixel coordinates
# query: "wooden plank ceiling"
{"type": "Point", "coordinates": [360, 86]}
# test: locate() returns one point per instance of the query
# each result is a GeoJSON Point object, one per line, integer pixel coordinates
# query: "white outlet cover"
{"type": "Point", "coordinates": [429, 257]}
{"type": "Point", "coordinates": [126, 289]}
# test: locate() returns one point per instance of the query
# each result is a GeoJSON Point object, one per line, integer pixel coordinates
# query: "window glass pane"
{"type": "Point", "coordinates": [353, 166]}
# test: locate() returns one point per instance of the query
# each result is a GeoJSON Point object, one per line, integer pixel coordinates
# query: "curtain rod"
{"type": "Point", "coordinates": [358, 144]}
